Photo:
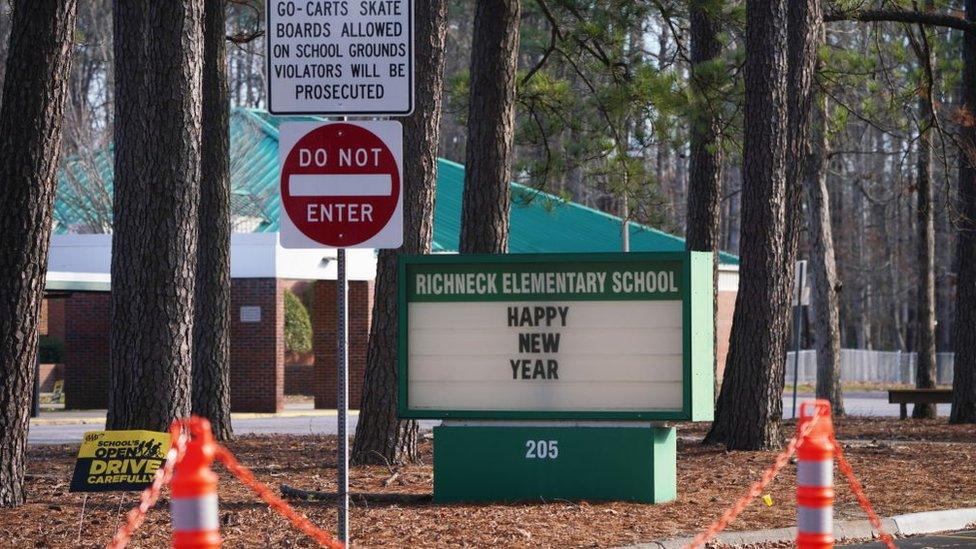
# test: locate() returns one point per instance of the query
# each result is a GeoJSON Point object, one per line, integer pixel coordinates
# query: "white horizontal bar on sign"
{"type": "Point", "coordinates": [347, 184]}
{"type": "Point", "coordinates": [607, 396]}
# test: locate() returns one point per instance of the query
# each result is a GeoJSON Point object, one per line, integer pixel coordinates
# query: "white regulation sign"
{"type": "Point", "coordinates": [340, 57]}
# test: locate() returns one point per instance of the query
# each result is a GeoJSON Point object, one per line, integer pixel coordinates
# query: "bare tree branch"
{"type": "Point", "coordinates": [245, 37]}
{"type": "Point", "coordinates": [903, 16]}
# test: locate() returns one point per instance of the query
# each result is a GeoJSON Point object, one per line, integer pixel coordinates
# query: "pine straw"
{"type": "Point", "coordinates": [900, 476]}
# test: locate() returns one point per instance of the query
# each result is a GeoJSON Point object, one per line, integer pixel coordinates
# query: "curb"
{"type": "Point", "coordinates": [94, 420]}
{"type": "Point", "coordinates": [926, 522]}
{"type": "Point", "coordinates": [289, 413]}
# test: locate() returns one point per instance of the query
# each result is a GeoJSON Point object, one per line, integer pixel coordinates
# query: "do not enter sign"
{"type": "Point", "coordinates": [341, 185]}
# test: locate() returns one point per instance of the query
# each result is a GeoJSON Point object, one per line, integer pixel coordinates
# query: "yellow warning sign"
{"type": "Point", "coordinates": [118, 460]}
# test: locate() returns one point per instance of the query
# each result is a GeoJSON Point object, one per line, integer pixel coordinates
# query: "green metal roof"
{"type": "Point", "coordinates": [540, 222]}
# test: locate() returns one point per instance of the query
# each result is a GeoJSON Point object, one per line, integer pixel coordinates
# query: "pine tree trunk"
{"type": "Point", "coordinates": [781, 43]}
{"type": "Point", "coordinates": [31, 119]}
{"type": "Point", "coordinates": [211, 317]}
{"type": "Point", "coordinates": [380, 437]}
{"type": "Point", "coordinates": [491, 127]}
{"type": "Point", "coordinates": [158, 68]}
{"type": "Point", "coordinates": [705, 163]}
{"type": "Point", "coordinates": [925, 365]}
{"type": "Point", "coordinates": [964, 327]}
{"type": "Point", "coordinates": [823, 268]}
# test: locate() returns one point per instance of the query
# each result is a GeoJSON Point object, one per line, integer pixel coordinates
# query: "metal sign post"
{"type": "Point", "coordinates": [341, 188]}
{"type": "Point", "coordinates": [341, 183]}
{"type": "Point", "coordinates": [342, 402]}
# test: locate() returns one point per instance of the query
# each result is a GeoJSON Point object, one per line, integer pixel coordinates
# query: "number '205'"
{"type": "Point", "coordinates": [541, 449]}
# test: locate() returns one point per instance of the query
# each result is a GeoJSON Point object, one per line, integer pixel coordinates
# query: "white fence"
{"type": "Point", "coordinates": [869, 366]}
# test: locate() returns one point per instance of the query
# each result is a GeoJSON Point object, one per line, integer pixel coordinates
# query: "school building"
{"type": "Point", "coordinates": [76, 311]}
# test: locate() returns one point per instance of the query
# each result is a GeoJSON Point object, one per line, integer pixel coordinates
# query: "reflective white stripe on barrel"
{"type": "Point", "coordinates": [815, 520]}
{"type": "Point", "coordinates": [815, 473]}
{"type": "Point", "coordinates": [194, 514]}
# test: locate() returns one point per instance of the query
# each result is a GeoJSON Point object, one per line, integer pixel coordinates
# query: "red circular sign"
{"type": "Point", "coordinates": [340, 185]}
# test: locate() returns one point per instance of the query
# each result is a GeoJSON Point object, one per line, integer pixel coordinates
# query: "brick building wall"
{"type": "Point", "coordinates": [55, 318]}
{"type": "Point", "coordinates": [360, 310]}
{"type": "Point", "coordinates": [257, 350]}
{"type": "Point", "coordinates": [52, 317]}
{"type": "Point", "coordinates": [86, 352]}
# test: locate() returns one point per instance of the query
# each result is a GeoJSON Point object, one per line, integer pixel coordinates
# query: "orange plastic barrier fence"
{"type": "Point", "coordinates": [194, 487]}
{"type": "Point", "coordinates": [862, 498]}
{"type": "Point", "coordinates": [817, 446]}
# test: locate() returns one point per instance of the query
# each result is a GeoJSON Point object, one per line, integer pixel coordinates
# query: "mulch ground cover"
{"type": "Point", "coordinates": [905, 466]}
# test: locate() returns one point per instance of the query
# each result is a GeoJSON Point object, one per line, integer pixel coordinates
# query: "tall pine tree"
{"type": "Point", "coordinates": [380, 436]}
{"type": "Point", "coordinates": [158, 73]}
{"type": "Point", "coordinates": [491, 127]}
{"type": "Point", "coordinates": [31, 119]}
{"type": "Point", "coordinates": [211, 318]}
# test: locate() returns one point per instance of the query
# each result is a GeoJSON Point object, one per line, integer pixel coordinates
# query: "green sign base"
{"type": "Point", "coordinates": [515, 463]}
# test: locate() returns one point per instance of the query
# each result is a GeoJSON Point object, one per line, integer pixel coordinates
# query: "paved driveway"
{"type": "Point", "coordinates": [320, 424]}
{"type": "Point", "coordinates": [865, 403]}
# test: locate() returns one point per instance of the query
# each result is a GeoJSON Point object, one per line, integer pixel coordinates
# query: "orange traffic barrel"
{"type": "Point", "coordinates": [194, 485]}
{"type": "Point", "coordinates": [815, 478]}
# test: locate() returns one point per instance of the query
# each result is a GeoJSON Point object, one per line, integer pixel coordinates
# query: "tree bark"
{"type": "Point", "coordinates": [158, 68]}
{"type": "Point", "coordinates": [5, 17]}
{"type": "Point", "coordinates": [491, 127]}
{"type": "Point", "coordinates": [380, 437]}
{"type": "Point", "coordinates": [781, 45]}
{"type": "Point", "coordinates": [31, 119]}
{"type": "Point", "coordinates": [964, 327]}
{"type": "Point", "coordinates": [823, 268]}
{"type": "Point", "coordinates": [749, 406]}
{"type": "Point", "coordinates": [705, 162]}
{"type": "Point", "coordinates": [925, 365]}
{"type": "Point", "coordinates": [211, 316]}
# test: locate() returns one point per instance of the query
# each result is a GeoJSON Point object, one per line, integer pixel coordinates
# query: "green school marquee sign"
{"type": "Point", "coordinates": [556, 336]}
{"type": "Point", "coordinates": [525, 357]}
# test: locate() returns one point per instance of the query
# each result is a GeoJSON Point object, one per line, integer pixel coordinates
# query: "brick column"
{"type": "Point", "coordinates": [257, 346]}
{"type": "Point", "coordinates": [360, 310]}
{"type": "Point", "coordinates": [55, 317]}
{"type": "Point", "coordinates": [86, 356]}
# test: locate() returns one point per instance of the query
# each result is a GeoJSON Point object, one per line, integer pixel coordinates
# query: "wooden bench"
{"type": "Point", "coordinates": [918, 396]}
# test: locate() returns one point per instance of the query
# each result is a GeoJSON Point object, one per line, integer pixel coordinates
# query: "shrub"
{"type": "Point", "coordinates": [298, 327]}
